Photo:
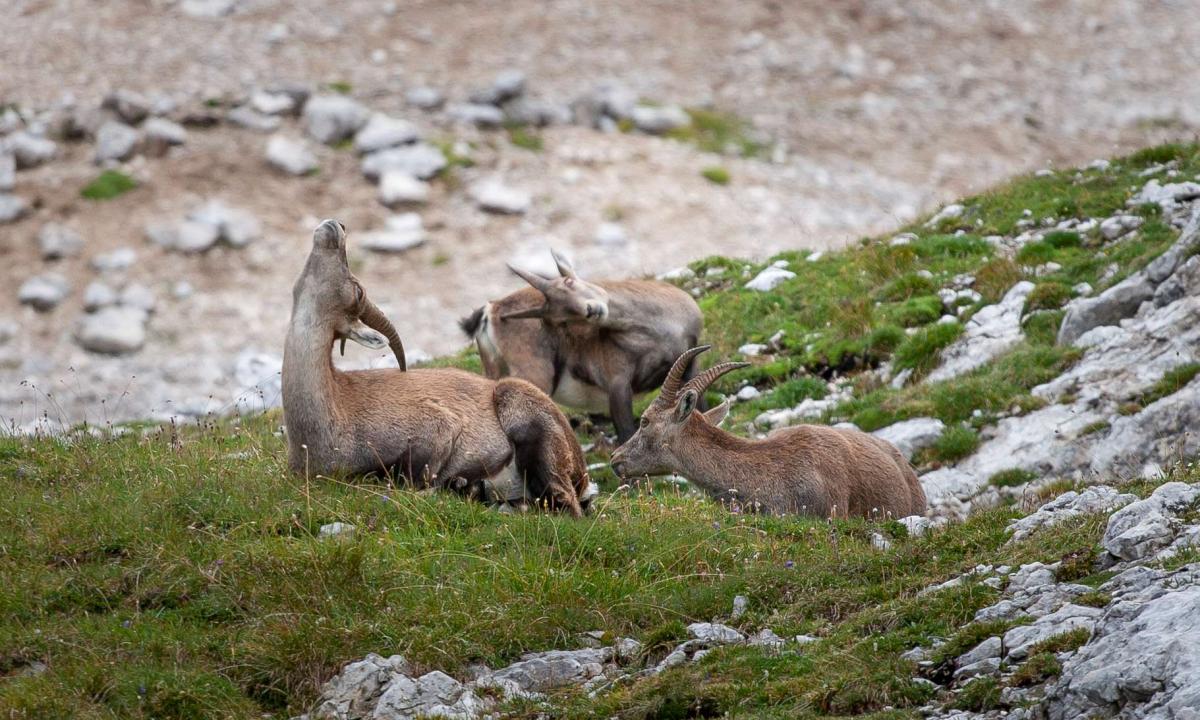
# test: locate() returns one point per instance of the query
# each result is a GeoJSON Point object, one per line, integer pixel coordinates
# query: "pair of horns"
{"type": "Point", "coordinates": [674, 386]}
{"type": "Point", "coordinates": [541, 284]}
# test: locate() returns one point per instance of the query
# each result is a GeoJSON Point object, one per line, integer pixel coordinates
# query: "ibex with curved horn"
{"type": "Point", "coordinates": [434, 427]}
{"type": "Point", "coordinates": [592, 346]}
{"type": "Point", "coordinates": [808, 469]}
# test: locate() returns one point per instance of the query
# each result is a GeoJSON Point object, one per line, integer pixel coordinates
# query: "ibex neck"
{"type": "Point", "coordinates": [717, 461]}
{"type": "Point", "coordinates": [309, 401]}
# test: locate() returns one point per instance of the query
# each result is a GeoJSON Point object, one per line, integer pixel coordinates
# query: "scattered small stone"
{"type": "Point", "coordinates": [189, 236]}
{"type": "Point", "coordinates": [740, 604]}
{"type": "Point", "coordinates": [333, 118]}
{"type": "Point", "coordinates": [659, 120]}
{"type": "Point", "coordinates": [117, 260]}
{"type": "Point", "coordinates": [136, 295]}
{"type": "Point", "coordinates": [425, 98]}
{"type": "Point", "coordinates": [917, 525]}
{"type": "Point", "coordinates": [815, 256]}
{"type": "Point", "coordinates": [949, 212]}
{"type": "Point", "coordinates": [208, 8]}
{"type": "Point", "coordinates": [715, 633]}
{"type": "Point", "coordinates": [769, 279]}
{"type": "Point", "coordinates": [400, 188]}
{"type": "Point", "coordinates": [401, 232]}
{"type": "Point", "coordinates": [30, 150]}
{"type": "Point", "coordinates": [58, 241]}
{"type": "Point", "coordinates": [879, 542]}
{"type": "Point", "coordinates": [507, 85]}
{"type": "Point", "coordinates": [43, 292]}
{"type": "Point", "coordinates": [336, 529]}
{"type": "Point", "coordinates": [130, 106]}
{"type": "Point", "coordinates": [496, 197]}
{"type": "Point", "coordinates": [748, 393]}
{"type": "Point", "coordinates": [268, 103]}
{"type": "Point", "coordinates": [752, 349]}
{"type": "Point", "coordinates": [182, 290]}
{"type": "Point", "coordinates": [162, 134]}
{"type": "Point", "coordinates": [290, 155]}
{"type": "Point", "coordinates": [680, 273]}
{"type": "Point", "coordinates": [479, 115]}
{"type": "Point", "coordinates": [383, 131]}
{"type": "Point", "coordinates": [420, 160]}
{"type": "Point", "coordinates": [610, 234]}
{"type": "Point", "coordinates": [12, 208]}
{"type": "Point", "coordinates": [236, 226]}
{"type": "Point", "coordinates": [8, 171]}
{"type": "Point", "coordinates": [98, 295]}
{"type": "Point", "coordinates": [115, 141]}
{"type": "Point", "coordinates": [902, 239]}
{"type": "Point", "coordinates": [247, 117]}
{"type": "Point", "coordinates": [1118, 225]}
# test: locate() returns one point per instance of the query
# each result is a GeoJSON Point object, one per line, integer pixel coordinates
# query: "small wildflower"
{"type": "Point", "coordinates": [789, 564]}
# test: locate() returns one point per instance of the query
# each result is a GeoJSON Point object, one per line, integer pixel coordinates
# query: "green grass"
{"type": "Point", "coordinates": [1012, 478]}
{"type": "Point", "coordinates": [523, 137]}
{"type": "Point", "coordinates": [922, 350]}
{"type": "Point", "coordinates": [340, 86]}
{"type": "Point", "coordinates": [719, 132]}
{"type": "Point", "coordinates": [181, 571]}
{"type": "Point", "coordinates": [716, 175]}
{"type": "Point", "coordinates": [1170, 383]}
{"type": "Point", "coordinates": [1036, 670]}
{"type": "Point", "coordinates": [108, 185]}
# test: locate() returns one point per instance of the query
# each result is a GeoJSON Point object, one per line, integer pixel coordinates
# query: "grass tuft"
{"type": "Point", "coordinates": [108, 185]}
{"type": "Point", "coordinates": [716, 174]}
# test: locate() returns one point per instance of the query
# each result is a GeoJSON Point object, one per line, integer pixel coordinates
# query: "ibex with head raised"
{"type": "Point", "coordinates": [589, 345]}
{"type": "Point", "coordinates": [808, 469]}
{"type": "Point", "coordinates": [440, 427]}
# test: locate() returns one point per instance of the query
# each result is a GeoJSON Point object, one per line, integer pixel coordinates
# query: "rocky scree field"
{"type": "Point", "coordinates": [179, 570]}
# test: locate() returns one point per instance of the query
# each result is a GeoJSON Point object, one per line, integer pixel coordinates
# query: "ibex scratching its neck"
{"type": "Point", "coordinates": [433, 427]}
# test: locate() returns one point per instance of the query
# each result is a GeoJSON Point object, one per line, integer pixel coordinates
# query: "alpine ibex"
{"type": "Point", "coordinates": [590, 346]}
{"type": "Point", "coordinates": [808, 469]}
{"type": "Point", "coordinates": [434, 427]}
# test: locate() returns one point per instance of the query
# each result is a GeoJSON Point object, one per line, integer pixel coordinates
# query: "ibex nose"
{"type": "Point", "coordinates": [616, 466]}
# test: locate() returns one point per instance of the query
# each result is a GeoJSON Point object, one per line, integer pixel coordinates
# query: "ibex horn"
{"type": "Point", "coordinates": [671, 386]}
{"type": "Point", "coordinates": [533, 279]}
{"type": "Point", "coordinates": [374, 318]}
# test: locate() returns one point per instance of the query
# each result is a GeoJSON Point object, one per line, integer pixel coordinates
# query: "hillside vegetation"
{"type": "Point", "coordinates": [180, 572]}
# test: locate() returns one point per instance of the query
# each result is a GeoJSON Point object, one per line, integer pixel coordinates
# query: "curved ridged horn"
{"type": "Point", "coordinates": [533, 279]}
{"type": "Point", "coordinates": [671, 386]}
{"type": "Point", "coordinates": [564, 265]}
{"type": "Point", "coordinates": [374, 318]}
{"type": "Point", "coordinates": [701, 382]}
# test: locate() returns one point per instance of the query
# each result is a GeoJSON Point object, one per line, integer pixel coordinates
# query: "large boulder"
{"type": "Point", "coordinates": [912, 436]}
{"type": "Point", "coordinates": [991, 332]}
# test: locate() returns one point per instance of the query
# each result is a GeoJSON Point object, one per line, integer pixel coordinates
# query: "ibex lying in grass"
{"type": "Point", "coordinates": [808, 469]}
{"type": "Point", "coordinates": [434, 427]}
{"type": "Point", "coordinates": [590, 346]}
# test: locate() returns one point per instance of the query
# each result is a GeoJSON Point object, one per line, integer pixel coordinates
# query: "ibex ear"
{"type": "Point", "coordinates": [564, 265]}
{"type": "Point", "coordinates": [717, 415]}
{"type": "Point", "coordinates": [685, 405]}
{"type": "Point", "coordinates": [537, 312]}
{"type": "Point", "coordinates": [329, 235]}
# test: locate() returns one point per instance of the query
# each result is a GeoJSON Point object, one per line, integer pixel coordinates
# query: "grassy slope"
{"type": "Point", "coordinates": [179, 575]}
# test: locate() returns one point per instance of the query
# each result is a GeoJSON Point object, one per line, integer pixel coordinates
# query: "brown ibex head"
{"type": "Point", "coordinates": [672, 416]}
{"type": "Point", "coordinates": [327, 295]}
{"type": "Point", "coordinates": [567, 298]}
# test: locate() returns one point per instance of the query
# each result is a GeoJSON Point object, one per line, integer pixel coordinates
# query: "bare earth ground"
{"type": "Point", "coordinates": [884, 110]}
